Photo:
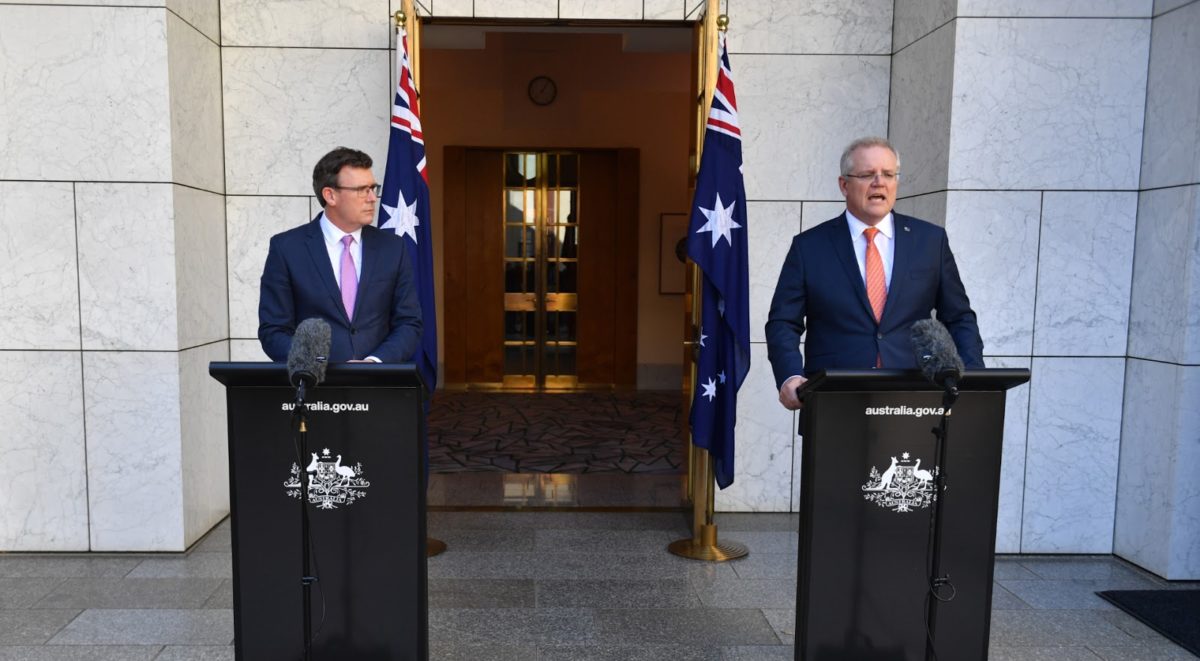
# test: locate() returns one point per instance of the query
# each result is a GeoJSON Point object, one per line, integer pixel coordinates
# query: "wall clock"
{"type": "Point", "coordinates": [542, 90]}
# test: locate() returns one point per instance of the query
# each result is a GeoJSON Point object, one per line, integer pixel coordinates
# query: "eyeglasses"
{"type": "Point", "coordinates": [362, 190]}
{"type": "Point", "coordinates": [870, 176]}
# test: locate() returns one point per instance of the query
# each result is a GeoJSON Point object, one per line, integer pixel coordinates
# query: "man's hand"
{"type": "Point", "coordinates": [787, 393]}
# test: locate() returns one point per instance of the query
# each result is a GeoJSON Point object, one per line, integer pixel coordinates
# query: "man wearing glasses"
{"type": "Point", "coordinates": [343, 269]}
{"type": "Point", "coordinates": [858, 282]}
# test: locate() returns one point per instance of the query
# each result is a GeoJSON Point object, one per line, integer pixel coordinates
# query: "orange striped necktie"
{"type": "Point", "coordinates": [876, 282]}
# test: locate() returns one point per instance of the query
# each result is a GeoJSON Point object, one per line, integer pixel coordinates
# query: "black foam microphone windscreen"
{"type": "Point", "coordinates": [309, 353]}
{"type": "Point", "coordinates": [935, 352]}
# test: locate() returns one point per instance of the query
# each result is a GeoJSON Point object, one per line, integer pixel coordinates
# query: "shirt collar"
{"type": "Point", "coordinates": [887, 226]}
{"type": "Point", "coordinates": [334, 235]}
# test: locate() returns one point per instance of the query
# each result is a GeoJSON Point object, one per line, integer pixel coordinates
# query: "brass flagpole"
{"type": "Point", "coordinates": [703, 544]}
{"type": "Point", "coordinates": [406, 20]}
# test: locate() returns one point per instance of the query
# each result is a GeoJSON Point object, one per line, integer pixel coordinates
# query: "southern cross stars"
{"type": "Point", "coordinates": [720, 222]}
{"type": "Point", "coordinates": [710, 389]}
{"type": "Point", "coordinates": [402, 218]}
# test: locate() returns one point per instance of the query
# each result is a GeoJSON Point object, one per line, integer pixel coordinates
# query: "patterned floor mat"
{"type": "Point", "coordinates": [634, 432]}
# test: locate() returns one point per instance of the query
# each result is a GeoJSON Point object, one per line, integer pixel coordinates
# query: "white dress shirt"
{"type": "Point", "coordinates": [333, 246]}
{"type": "Point", "coordinates": [885, 242]}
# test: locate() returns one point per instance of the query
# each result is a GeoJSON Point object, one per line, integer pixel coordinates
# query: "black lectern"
{"type": "Point", "coordinates": [866, 492]}
{"type": "Point", "coordinates": [365, 428]}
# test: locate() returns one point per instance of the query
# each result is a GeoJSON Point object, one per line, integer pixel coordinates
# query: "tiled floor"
{"type": "Point", "coordinates": [551, 585]}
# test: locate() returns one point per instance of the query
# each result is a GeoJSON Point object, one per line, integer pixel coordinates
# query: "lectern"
{"type": "Point", "coordinates": [867, 488]}
{"type": "Point", "coordinates": [365, 430]}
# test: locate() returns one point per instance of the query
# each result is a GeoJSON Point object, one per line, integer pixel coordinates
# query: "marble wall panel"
{"type": "Point", "coordinates": [994, 237]}
{"type": "Point", "coordinates": [516, 8]}
{"type": "Point", "coordinates": [127, 276]}
{"type": "Point", "coordinates": [775, 223]}
{"type": "Point", "coordinates": [1071, 461]}
{"type": "Point", "coordinates": [1169, 149]}
{"type": "Point", "coordinates": [1164, 318]}
{"type": "Point", "coordinates": [1158, 496]}
{"type": "Point", "coordinates": [204, 15]}
{"type": "Point", "coordinates": [1086, 266]}
{"type": "Point", "coordinates": [307, 23]}
{"type": "Point", "coordinates": [39, 283]}
{"type": "Point", "coordinates": [797, 115]}
{"type": "Point", "coordinates": [815, 213]}
{"type": "Point", "coordinates": [763, 474]}
{"type": "Point", "coordinates": [132, 402]}
{"type": "Point", "coordinates": [810, 26]}
{"type": "Point", "coordinates": [609, 9]}
{"type": "Point", "coordinates": [311, 94]}
{"type": "Point", "coordinates": [201, 294]}
{"type": "Point", "coordinates": [1163, 6]}
{"type": "Point", "coordinates": [1048, 103]}
{"type": "Point", "coordinates": [204, 454]}
{"type": "Point", "coordinates": [916, 18]}
{"type": "Point", "coordinates": [247, 351]}
{"type": "Point", "coordinates": [919, 116]}
{"type": "Point", "coordinates": [446, 7]}
{"type": "Point", "coordinates": [252, 221]}
{"type": "Point", "coordinates": [43, 483]}
{"type": "Point", "coordinates": [1056, 8]}
{"type": "Point", "coordinates": [1012, 462]}
{"type": "Point", "coordinates": [99, 108]}
{"type": "Point", "coordinates": [663, 10]}
{"type": "Point", "coordinates": [194, 63]}
{"type": "Point", "coordinates": [930, 207]}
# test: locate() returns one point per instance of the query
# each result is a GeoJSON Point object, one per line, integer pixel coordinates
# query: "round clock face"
{"type": "Point", "coordinates": [542, 90]}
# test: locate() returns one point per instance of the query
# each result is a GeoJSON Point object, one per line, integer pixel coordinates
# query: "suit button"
{"type": "Point", "coordinates": [879, 336]}
{"type": "Point", "coordinates": [354, 331]}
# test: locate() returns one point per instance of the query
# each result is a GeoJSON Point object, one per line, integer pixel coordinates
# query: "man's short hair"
{"type": "Point", "coordinates": [870, 141]}
{"type": "Point", "coordinates": [325, 174]}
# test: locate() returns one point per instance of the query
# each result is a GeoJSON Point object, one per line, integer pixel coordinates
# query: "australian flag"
{"type": "Point", "coordinates": [717, 244]}
{"type": "Point", "coordinates": [404, 205]}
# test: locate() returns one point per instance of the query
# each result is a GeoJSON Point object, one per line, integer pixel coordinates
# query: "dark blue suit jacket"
{"type": "Point", "coordinates": [821, 290]}
{"type": "Point", "coordinates": [298, 283]}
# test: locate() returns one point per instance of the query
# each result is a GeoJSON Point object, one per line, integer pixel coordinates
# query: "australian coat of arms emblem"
{"type": "Point", "coordinates": [903, 487]}
{"type": "Point", "coordinates": [329, 482]}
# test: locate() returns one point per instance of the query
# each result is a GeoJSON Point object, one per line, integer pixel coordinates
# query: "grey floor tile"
{"type": "Point", "coordinates": [1009, 653]}
{"type": "Point", "coordinates": [757, 521]}
{"type": "Point", "coordinates": [766, 565]}
{"type": "Point", "coordinates": [222, 597]}
{"type": "Point", "coordinates": [488, 541]}
{"type": "Point", "coordinates": [439, 522]}
{"type": "Point", "coordinates": [1049, 628]}
{"type": "Point", "coordinates": [719, 627]}
{"type": "Point", "coordinates": [628, 653]}
{"type": "Point", "coordinates": [1006, 601]}
{"type": "Point", "coordinates": [196, 653]}
{"type": "Point", "coordinates": [512, 626]}
{"type": "Point", "coordinates": [27, 627]}
{"type": "Point", "coordinates": [1144, 651]}
{"type": "Point", "coordinates": [195, 565]}
{"type": "Point", "coordinates": [1081, 567]}
{"type": "Point", "coordinates": [481, 593]}
{"type": "Point", "coordinates": [558, 565]}
{"type": "Point", "coordinates": [1058, 595]}
{"type": "Point", "coordinates": [83, 593]}
{"type": "Point", "coordinates": [60, 566]}
{"type": "Point", "coordinates": [80, 653]}
{"type": "Point", "coordinates": [786, 542]}
{"type": "Point", "coordinates": [1010, 567]}
{"type": "Point", "coordinates": [590, 541]}
{"type": "Point", "coordinates": [759, 653]}
{"type": "Point", "coordinates": [660, 593]}
{"type": "Point", "coordinates": [783, 621]}
{"type": "Point", "coordinates": [148, 627]}
{"type": "Point", "coordinates": [218, 540]}
{"type": "Point", "coordinates": [449, 650]}
{"type": "Point", "coordinates": [24, 592]}
{"type": "Point", "coordinates": [747, 592]}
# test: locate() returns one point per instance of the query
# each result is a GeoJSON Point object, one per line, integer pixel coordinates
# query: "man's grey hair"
{"type": "Point", "coordinates": [862, 143]}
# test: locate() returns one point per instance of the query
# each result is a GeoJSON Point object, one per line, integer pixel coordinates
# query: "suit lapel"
{"type": "Point", "coordinates": [370, 259]}
{"type": "Point", "coordinates": [902, 247]}
{"type": "Point", "coordinates": [843, 247]}
{"type": "Point", "coordinates": [323, 267]}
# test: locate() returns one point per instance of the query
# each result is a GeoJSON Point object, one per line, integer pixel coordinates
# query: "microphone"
{"type": "Point", "coordinates": [309, 354]}
{"type": "Point", "coordinates": [936, 354]}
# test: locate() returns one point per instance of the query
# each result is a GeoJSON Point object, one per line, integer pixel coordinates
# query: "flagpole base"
{"type": "Point", "coordinates": [706, 547]}
{"type": "Point", "coordinates": [434, 547]}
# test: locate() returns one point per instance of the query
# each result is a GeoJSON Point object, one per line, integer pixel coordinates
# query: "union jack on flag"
{"type": "Point", "coordinates": [717, 244]}
{"type": "Point", "coordinates": [404, 205]}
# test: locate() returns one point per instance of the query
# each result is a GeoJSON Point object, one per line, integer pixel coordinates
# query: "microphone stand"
{"type": "Point", "coordinates": [941, 433]}
{"type": "Point", "coordinates": [306, 577]}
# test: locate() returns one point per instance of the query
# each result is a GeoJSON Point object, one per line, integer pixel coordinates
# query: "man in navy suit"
{"type": "Point", "coordinates": [341, 268]}
{"type": "Point", "coordinates": [823, 287]}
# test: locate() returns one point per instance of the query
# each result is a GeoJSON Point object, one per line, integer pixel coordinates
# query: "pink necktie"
{"type": "Point", "coordinates": [349, 277]}
{"type": "Point", "coordinates": [876, 282]}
